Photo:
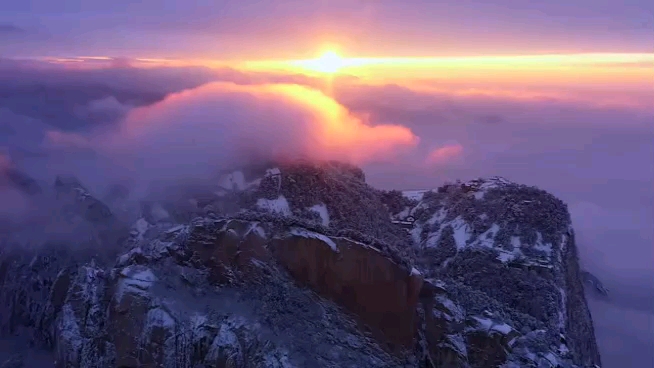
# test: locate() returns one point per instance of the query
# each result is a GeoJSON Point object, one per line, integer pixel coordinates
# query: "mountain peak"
{"type": "Point", "coordinates": [477, 274]}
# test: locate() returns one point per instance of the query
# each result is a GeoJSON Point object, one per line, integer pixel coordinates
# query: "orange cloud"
{"type": "Point", "coordinates": [445, 154]}
{"type": "Point", "coordinates": [221, 125]}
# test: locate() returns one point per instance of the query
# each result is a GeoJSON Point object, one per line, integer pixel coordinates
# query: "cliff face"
{"type": "Point", "coordinates": [579, 323]}
{"type": "Point", "coordinates": [514, 244]}
{"type": "Point", "coordinates": [305, 265]}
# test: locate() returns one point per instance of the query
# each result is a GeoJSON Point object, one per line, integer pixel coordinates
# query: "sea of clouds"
{"type": "Point", "coordinates": [170, 125]}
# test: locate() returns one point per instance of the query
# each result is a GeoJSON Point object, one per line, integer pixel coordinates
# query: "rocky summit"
{"type": "Point", "coordinates": [295, 265]}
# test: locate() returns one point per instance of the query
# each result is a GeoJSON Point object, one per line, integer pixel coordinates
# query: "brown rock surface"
{"type": "Point", "coordinates": [383, 294]}
{"type": "Point", "coordinates": [128, 312]}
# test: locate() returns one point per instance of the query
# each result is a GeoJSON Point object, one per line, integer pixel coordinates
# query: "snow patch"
{"type": "Point", "coordinates": [502, 328]}
{"type": "Point", "coordinates": [515, 242]}
{"type": "Point", "coordinates": [543, 247]}
{"type": "Point", "coordinates": [455, 313]}
{"type": "Point", "coordinates": [321, 209]}
{"type": "Point", "coordinates": [461, 232]}
{"type": "Point", "coordinates": [226, 342]}
{"type": "Point", "coordinates": [415, 234]}
{"type": "Point", "coordinates": [457, 342]}
{"type": "Point", "coordinates": [176, 228]}
{"type": "Point", "coordinates": [82, 194]}
{"type": "Point", "coordinates": [160, 317]}
{"type": "Point", "coordinates": [438, 217]}
{"type": "Point", "coordinates": [433, 239]}
{"type": "Point", "coordinates": [273, 171]}
{"type": "Point", "coordinates": [415, 272]}
{"type": "Point", "coordinates": [313, 235]}
{"type": "Point", "coordinates": [233, 181]}
{"type": "Point", "coordinates": [484, 323]}
{"type": "Point", "coordinates": [489, 325]}
{"type": "Point", "coordinates": [160, 248]}
{"type": "Point", "coordinates": [125, 258]}
{"type": "Point", "coordinates": [403, 214]}
{"type": "Point", "coordinates": [257, 229]}
{"type": "Point", "coordinates": [487, 238]}
{"type": "Point", "coordinates": [505, 257]}
{"type": "Point", "coordinates": [481, 186]}
{"type": "Point", "coordinates": [279, 205]}
{"type": "Point", "coordinates": [563, 349]}
{"type": "Point", "coordinates": [552, 359]}
{"type": "Point", "coordinates": [140, 228]}
{"type": "Point", "coordinates": [197, 321]}
{"type": "Point", "coordinates": [415, 195]}
{"type": "Point", "coordinates": [135, 279]}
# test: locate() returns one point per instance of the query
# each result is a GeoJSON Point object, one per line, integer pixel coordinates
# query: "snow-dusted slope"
{"type": "Point", "coordinates": [518, 223]}
{"type": "Point", "coordinates": [512, 242]}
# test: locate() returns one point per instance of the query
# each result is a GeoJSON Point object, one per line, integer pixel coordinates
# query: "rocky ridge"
{"type": "Point", "coordinates": [515, 244]}
{"type": "Point", "coordinates": [301, 265]}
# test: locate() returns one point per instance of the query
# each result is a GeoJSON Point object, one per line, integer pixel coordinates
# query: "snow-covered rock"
{"type": "Point", "coordinates": [511, 243]}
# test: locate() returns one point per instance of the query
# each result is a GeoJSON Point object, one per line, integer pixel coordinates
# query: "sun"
{"type": "Point", "coordinates": [329, 62]}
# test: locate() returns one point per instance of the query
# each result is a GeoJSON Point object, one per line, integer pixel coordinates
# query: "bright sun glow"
{"type": "Point", "coordinates": [487, 70]}
{"type": "Point", "coordinates": [329, 62]}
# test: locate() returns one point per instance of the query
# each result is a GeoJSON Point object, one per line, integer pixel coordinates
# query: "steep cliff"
{"type": "Point", "coordinates": [515, 245]}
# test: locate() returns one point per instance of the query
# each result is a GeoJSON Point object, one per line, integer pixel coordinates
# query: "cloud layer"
{"type": "Point", "coordinates": [194, 134]}
{"type": "Point", "coordinates": [597, 159]}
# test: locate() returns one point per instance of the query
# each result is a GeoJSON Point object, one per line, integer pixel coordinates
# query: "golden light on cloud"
{"type": "Point", "coordinates": [542, 76]}
{"type": "Point", "coordinates": [338, 130]}
{"type": "Point", "coordinates": [304, 123]}
{"type": "Point", "coordinates": [557, 68]}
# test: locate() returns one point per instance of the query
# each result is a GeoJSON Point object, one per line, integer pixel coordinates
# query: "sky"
{"type": "Point", "coordinates": [255, 29]}
{"type": "Point", "coordinates": [556, 94]}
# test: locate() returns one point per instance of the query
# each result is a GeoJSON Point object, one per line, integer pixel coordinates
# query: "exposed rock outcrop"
{"type": "Point", "coordinates": [382, 293]}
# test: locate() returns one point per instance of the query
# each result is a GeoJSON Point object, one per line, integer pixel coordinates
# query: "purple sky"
{"type": "Point", "coordinates": [251, 29]}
